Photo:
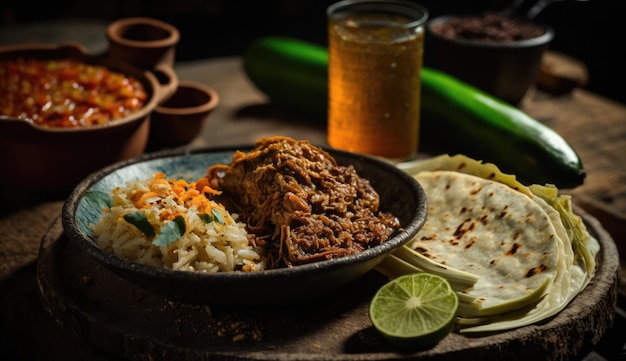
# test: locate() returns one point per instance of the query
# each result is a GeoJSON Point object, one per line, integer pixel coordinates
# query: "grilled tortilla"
{"type": "Point", "coordinates": [490, 230]}
{"type": "Point", "coordinates": [527, 252]}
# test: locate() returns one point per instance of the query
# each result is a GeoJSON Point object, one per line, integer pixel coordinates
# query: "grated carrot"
{"type": "Point", "coordinates": [141, 202]}
{"type": "Point", "coordinates": [184, 193]}
{"type": "Point", "coordinates": [203, 186]}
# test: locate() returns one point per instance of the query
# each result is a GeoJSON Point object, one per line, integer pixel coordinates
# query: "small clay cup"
{"type": "Point", "coordinates": [143, 42]}
{"type": "Point", "coordinates": [180, 118]}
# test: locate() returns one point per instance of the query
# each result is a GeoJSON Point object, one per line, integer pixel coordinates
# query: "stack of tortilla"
{"type": "Point", "coordinates": [516, 255]}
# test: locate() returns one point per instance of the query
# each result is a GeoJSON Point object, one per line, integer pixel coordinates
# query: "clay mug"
{"type": "Point", "coordinates": [143, 42]}
{"type": "Point", "coordinates": [181, 118]}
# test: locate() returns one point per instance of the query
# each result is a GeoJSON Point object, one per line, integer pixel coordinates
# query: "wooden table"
{"type": "Point", "coordinates": [594, 126]}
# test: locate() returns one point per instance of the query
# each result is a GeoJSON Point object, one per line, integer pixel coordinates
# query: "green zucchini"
{"type": "Point", "coordinates": [455, 117]}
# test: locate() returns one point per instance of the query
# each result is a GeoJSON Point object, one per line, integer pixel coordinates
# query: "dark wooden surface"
{"type": "Point", "coordinates": [595, 126]}
{"type": "Point", "coordinates": [113, 314]}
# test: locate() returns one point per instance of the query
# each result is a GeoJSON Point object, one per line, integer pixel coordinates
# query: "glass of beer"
{"type": "Point", "coordinates": [375, 58]}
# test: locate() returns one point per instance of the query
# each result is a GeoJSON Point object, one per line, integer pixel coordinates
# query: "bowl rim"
{"type": "Point", "coordinates": [117, 28]}
{"type": "Point", "coordinates": [74, 233]}
{"type": "Point", "coordinates": [541, 40]}
{"type": "Point", "coordinates": [213, 102]}
{"type": "Point", "coordinates": [76, 51]}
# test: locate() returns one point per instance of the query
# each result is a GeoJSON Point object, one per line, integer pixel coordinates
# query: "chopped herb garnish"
{"type": "Point", "coordinates": [171, 231]}
{"type": "Point", "coordinates": [218, 216]}
{"type": "Point", "coordinates": [140, 221]}
{"type": "Point", "coordinates": [215, 216]}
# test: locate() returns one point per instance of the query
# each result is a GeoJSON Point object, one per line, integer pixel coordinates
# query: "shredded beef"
{"type": "Point", "coordinates": [300, 204]}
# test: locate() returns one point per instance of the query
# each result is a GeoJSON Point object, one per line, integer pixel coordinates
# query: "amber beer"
{"type": "Point", "coordinates": [375, 58]}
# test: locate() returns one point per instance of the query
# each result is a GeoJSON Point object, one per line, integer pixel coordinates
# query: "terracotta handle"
{"type": "Point", "coordinates": [168, 81]}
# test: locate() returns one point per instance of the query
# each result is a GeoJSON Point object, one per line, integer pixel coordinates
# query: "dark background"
{"type": "Point", "coordinates": [592, 31]}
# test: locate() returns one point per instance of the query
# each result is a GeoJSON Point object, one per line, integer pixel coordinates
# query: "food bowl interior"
{"type": "Point", "coordinates": [399, 193]}
{"type": "Point", "coordinates": [186, 98]}
{"type": "Point", "coordinates": [144, 32]}
{"type": "Point", "coordinates": [189, 98]}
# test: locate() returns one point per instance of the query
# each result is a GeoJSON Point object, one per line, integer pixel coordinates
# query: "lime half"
{"type": "Point", "coordinates": [415, 310]}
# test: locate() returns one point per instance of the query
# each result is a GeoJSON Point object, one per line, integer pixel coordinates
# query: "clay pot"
{"type": "Point", "coordinates": [40, 158]}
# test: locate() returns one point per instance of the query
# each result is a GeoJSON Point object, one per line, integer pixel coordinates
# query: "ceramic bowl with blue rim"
{"type": "Point", "coordinates": [399, 193]}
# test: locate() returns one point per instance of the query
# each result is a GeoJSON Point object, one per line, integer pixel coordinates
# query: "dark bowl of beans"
{"type": "Point", "coordinates": [65, 114]}
{"type": "Point", "coordinates": [494, 52]}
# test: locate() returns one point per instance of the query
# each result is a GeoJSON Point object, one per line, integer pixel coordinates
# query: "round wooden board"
{"type": "Point", "coordinates": [127, 321]}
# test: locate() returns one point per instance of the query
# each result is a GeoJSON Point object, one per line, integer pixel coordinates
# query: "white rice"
{"type": "Point", "coordinates": [204, 247]}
